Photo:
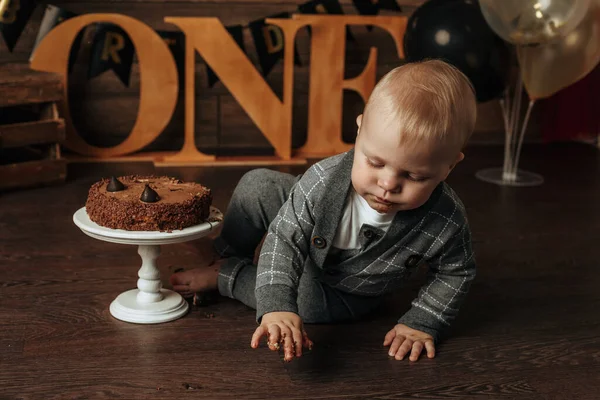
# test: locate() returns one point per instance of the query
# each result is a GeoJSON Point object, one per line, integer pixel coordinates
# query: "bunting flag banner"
{"type": "Point", "coordinates": [53, 16]}
{"type": "Point", "coordinates": [176, 42]}
{"type": "Point", "coordinates": [111, 49]}
{"type": "Point", "coordinates": [13, 20]}
{"type": "Point", "coordinates": [325, 7]}
{"type": "Point", "coordinates": [269, 43]}
{"type": "Point", "coordinates": [237, 32]}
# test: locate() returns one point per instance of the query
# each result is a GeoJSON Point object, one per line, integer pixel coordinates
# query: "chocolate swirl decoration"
{"type": "Point", "coordinates": [149, 195]}
{"type": "Point", "coordinates": [114, 185]}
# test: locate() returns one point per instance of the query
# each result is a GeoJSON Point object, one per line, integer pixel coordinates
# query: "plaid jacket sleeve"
{"type": "Point", "coordinates": [451, 271]}
{"type": "Point", "coordinates": [286, 246]}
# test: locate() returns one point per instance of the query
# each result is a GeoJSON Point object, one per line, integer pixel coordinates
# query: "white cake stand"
{"type": "Point", "coordinates": [149, 303]}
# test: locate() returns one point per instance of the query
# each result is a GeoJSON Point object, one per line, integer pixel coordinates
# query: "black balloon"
{"type": "Point", "coordinates": [456, 32]}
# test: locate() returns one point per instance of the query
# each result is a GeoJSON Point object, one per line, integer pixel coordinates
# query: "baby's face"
{"type": "Point", "coordinates": [391, 177]}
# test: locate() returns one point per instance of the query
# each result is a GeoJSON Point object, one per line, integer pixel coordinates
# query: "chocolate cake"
{"type": "Point", "coordinates": [148, 203]}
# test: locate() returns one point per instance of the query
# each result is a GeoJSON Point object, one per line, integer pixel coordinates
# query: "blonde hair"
{"type": "Point", "coordinates": [430, 101]}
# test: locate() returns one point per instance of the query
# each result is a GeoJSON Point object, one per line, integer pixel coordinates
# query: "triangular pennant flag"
{"type": "Point", "coordinates": [54, 16]}
{"type": "Point", "coordinates": [269, 43]}
{"type": "Point", "coordinates": [176, 42]}
{"type": "Point", "coordinates": [13, 20]}
{"type": "Point", "coordinates": [366, 7]}
{"type": "Point", "coordinates": [237, 32]}
{"type": "Point", "coordinates": [325, 7]}
{"type": "Point", "coordinates": [75, 50]}
{"type": "Point", "coordinates": [111, 49]}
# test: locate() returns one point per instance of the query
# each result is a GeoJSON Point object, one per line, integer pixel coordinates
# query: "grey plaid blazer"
{"type": "Point", "coordinates": [436, 233]}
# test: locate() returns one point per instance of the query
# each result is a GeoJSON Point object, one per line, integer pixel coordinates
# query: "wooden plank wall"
{"type": "Point", "coordinates": [104, 110]}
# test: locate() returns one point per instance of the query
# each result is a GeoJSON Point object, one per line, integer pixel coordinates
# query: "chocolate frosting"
{"type": "Point", "coordinates": [181, 204]}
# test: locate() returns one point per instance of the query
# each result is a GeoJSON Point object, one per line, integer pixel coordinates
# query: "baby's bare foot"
{"type": "Point", "coordinates": [195, 280]}
{"type": "Point", "coordinates": [204, 249]}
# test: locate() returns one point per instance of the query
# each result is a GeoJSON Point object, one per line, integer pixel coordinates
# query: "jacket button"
{"type": "Point", "coordinates": [412, 261]}
{"type": "Point", "coordinates": [319, 242]}
{"type": "Point", "coordinates": [368, 234]}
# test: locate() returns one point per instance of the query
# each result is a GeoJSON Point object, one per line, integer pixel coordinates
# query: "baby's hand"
{"type": "Point", "coordinates": [282, 328]}
{"type": "Point", "coordinates": [403, 339]}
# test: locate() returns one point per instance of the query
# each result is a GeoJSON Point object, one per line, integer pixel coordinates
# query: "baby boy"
{"type": "Point", "coordinates": [354, 227]}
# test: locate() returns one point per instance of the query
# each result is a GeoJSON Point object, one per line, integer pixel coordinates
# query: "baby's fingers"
{"type": "Point", "coordinates": [404, 349]}
{"type": "Point", "coordinates": [389, 337]}
{"type": "Point", "coordinates": [395, 345]}
{"type": "Point", "coordinates": [274, 337]}
{"type": "Point", "coordinates": [417, 348]}
{"type": "Point", "coordinates": [258, 333]}
{"type": "Point", "coordinates": [298, 340]}
{"type": "Point", "coordinates": [306, 342]}
{"type": "Point", "coordinates": [289, 348]}
{"type": "Point", "coordinates": [430, 347]}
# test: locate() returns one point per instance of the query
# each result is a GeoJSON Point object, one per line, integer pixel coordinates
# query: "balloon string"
{"type": "Point", "coordinates": [523, 128]}
{"type": "Point", "coordinates": [504, 108]}
{"type": "Point", "coordinates": [516, 113]}
{"type": "Point", "coordinates": [513, 108]}
{"type": "Point", "coordinates": [506, 104]}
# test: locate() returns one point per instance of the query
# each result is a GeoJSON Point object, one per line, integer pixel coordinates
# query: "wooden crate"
{"type": "Point", "coordinates": [30, 129]}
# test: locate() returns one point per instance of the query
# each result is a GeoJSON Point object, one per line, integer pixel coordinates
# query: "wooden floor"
{"type": "Point", "coordinates": [529, 330]}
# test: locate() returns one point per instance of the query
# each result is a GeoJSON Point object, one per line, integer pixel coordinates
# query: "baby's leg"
{"type": "Point", "coordinates": [238, 280]}
{"type": "Point", "coordinates": [255, 202]}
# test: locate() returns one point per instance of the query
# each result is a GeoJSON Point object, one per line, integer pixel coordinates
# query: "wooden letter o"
{"type": "Point", "coordinates": [158, 80]}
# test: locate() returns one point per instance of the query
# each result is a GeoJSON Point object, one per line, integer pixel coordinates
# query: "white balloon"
{"type": "Point", "coordinates": [550, 67]}
{"type": "Point", "coordinates": [533, 21]}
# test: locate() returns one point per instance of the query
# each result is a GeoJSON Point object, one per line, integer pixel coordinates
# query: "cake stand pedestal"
{"type": "Point", "coordinates": [149, 303]}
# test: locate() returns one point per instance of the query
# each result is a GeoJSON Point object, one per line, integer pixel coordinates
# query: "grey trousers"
{"type": "Point", "coordinates": [255, 202]}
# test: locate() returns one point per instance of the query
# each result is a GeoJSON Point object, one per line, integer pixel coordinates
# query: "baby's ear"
{"type": "Point", "coordinates": [459, 158]}
{"type": "Point", "coordinates": [358, 122]}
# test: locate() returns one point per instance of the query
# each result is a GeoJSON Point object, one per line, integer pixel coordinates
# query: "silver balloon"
{"type": "Point", "coordinates": [548, 68]}
{"type": "Point", "coordinates": [533, 21]}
